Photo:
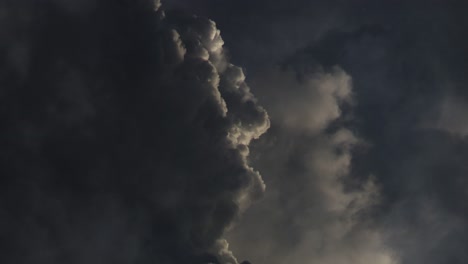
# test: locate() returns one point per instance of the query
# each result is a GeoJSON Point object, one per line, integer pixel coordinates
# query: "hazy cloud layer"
{"type": "Point", "coordinates": [125, 135]}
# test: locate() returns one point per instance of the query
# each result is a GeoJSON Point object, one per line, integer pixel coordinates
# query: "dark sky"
{"type": "Point", "coordinates": [213, 131]}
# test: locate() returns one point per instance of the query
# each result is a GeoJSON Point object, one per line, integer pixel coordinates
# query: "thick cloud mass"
{"type": "Point", "coordinates": [127, 133]}
{"type": "Point", "coordinates": [314, 216]}
{"type": "Point", "coordinates": [408, 62]}
{"type": "Point", "coordinates": [124, 137]}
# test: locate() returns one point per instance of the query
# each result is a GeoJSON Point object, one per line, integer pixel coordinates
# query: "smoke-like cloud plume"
{"type": "Point", "coordinates": [317, 212]}
{"type": "Point", "coordinates": [125, 135]}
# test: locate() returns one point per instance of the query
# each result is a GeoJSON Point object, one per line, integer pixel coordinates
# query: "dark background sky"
{"type": "Point", "coordinates": [128, 135]}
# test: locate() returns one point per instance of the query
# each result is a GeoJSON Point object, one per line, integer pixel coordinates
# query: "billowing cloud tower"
{"type": "Point", "coordinates": [125, 135]}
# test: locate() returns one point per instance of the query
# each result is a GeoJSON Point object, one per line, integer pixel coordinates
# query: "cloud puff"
{"type": "Point", "coordinates": [126, 135]}
{"type": "Point", "coordinates": [310, 103]}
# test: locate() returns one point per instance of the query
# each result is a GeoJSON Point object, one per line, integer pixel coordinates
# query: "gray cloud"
{"type": "Point", "coordinates": [309, 214]}
{"type": "Point", "coordinates": [450, 117]}
{"type": "Point", "coordinates": [127, 131]}
{"type": "Point", "coordinates": [126, 135]}
{"type": "Point", "coordinates": [408, 63]}
{"type": "Point", "coordinates": [308, 104]}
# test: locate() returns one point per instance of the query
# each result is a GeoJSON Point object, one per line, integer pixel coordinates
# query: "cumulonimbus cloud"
{"type": "Point", "coordinates": [408, 62]}
{"type": "Point", "coordinates": [126, 135]}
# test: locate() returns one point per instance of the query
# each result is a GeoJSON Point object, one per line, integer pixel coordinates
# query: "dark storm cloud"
{"type": "Point", "coordinates": [125, 135]}
{"type": "Point", "coordinates": [408, 64]}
